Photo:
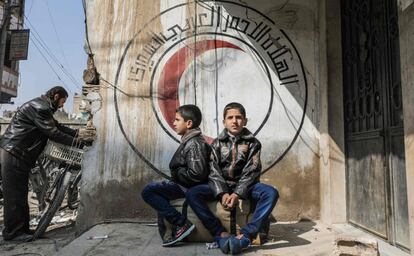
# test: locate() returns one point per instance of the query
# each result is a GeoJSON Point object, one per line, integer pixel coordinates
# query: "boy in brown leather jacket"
{"type": "Point", "coordinates": [234, 174]}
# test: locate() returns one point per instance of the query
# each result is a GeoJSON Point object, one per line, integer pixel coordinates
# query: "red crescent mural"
{"type": "Point", "coordinates": [159, 59]}
{"type": "Point", "coordinates": [173, 70]}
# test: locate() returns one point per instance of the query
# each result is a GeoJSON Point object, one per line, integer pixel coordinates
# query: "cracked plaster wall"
{"type": "Point", "coordinates": [113, 173]}
{"type": "Point", "coordinates": [406, 29]}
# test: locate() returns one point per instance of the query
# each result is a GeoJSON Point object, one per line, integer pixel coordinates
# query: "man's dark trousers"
{"type": "Point", "coordinates": [15, 176]}
{"type": "Point", "coordinates": [264, 197]}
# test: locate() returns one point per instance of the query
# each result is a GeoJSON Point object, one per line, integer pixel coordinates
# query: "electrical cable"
{"type": "Point", "coordinates": [50, 65]}
{"type": "Point", "coordinates": [30, 9]}
{"type": "Point", "coordinates": [52, 56]}
{"type": "Point", "coordinates": [55, 60]}
{"type": "Point", "coordinates": [216, 85]}
{"type": "Point", "coordinates": [86, 28]}
{"type": "Point", "coordinates": [195, 53]}
{"type": "Point", "coordinates": [59, 42]}
{"type": "Point", "coordinates": [116, 88]}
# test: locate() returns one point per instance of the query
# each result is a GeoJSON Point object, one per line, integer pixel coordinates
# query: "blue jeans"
{"type": "Point", "coordinates": [159, 194]}
{"type": "Point", "coordinates": [264, 196]}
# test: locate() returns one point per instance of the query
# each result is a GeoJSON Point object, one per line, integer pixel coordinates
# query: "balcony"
{"type": "Point", "coordinates": [9, 84]}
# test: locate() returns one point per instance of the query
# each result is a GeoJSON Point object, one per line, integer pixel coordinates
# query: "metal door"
{"type": "Point", "coordinates": [374, 137]}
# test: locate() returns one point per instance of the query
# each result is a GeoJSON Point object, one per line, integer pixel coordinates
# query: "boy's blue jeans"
{"type": "Point", "coordinates": [264, 196]}
{"type": "Point", "coordinates": [159, 194]}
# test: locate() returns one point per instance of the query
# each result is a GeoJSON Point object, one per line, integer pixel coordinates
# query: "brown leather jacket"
{"type": "Point", "coordinates": [31, 127]}
{"type": "Point", "coordinates": [235, 163]}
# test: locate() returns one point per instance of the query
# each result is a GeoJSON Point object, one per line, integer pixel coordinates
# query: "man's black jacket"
{"type": "Point", "coordinates": [189, 165]}
{"type": "Point", "coordinates": [235, 163]}
{"type": "Point", "coordinates": [31, 127]}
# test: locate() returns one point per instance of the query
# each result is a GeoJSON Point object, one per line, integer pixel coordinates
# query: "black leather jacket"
{"type": "Point", "coordinates": [31, 127]}
{"type": "Point", "coordinates": [189, 165]}
{"type": "Point", "coordinates": [235, 165]}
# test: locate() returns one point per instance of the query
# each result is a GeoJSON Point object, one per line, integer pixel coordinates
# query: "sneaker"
{"type": "Point", "coordinates": [223, 243]}
{"type": "Point", "coordinates": [179, 233]}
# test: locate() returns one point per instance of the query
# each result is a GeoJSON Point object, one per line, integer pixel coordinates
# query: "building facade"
{"type": "Point", "coordinates": [10, 77]}
{"type": "Point", "coordinates": [326, 84]}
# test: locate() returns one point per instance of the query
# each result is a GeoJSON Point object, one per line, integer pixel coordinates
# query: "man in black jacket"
{"type": "Point", "coordinates": [22, 143]}
{"type": "Point", "coordinates": [234, 174]}
{"type": "Point", "coordinates": [188, 166]}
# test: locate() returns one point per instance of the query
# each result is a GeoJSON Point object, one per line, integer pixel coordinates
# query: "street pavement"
{"type": "Point", "coordinates": [130, 237]}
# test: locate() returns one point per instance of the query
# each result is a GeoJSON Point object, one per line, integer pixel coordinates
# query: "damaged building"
{"type": "Point", "coordinates": [326, 85]}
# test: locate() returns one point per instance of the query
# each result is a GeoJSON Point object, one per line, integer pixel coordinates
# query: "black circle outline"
{"type": "Point", "coordinates": [128, 45]}
{"type": "Point", "coordinates": [305, 104]}
{"type": "Point", "coordinates": [224, 35]}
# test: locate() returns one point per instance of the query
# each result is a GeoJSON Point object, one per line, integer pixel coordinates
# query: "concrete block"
{"type": "Point", "coordinates": [355, 246]}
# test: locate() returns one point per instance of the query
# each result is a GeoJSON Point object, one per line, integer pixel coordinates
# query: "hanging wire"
{"type": "Point", "coordinates": [195, 53]}
{"type": "Point", "coordinates": [50, 65]}
{"type": "Point", "coordinates": [86, 28]}
{"type": "Point", "coordinates": [52, 56]}
{"type": "Point", "coordinates": [216, 79]}
{"type": "Point", "coordinates": [60, 43]}
{"type": "Point", "coordinates": [30, 8]}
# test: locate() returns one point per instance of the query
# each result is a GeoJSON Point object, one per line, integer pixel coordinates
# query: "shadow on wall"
{"type": "Point", "coordinates": [285, 17]}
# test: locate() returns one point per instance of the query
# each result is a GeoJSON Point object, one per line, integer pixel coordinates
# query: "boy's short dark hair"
{"type": "Point", "coordinates": [190, 112]}
{"type": "Point", "coordinates": [57, 90]}
{"type": "Point", "coordinates": [234, 105]}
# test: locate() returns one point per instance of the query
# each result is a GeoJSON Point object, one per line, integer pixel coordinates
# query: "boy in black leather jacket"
{"type": "Point", "coordinates": [234, 174]}
{"type": "Point", "coordinates": [188, 166]}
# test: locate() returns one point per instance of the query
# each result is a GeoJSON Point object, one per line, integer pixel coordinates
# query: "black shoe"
{"type": "Point", "coordinates": [179, 233]}
{"type": "Point", "coordinates": [30, 231]}
{"type": "Point", "coordinates": [23, 237]}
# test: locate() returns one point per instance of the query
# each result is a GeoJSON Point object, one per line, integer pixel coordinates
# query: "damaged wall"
{"type": "Point", "coordinates": [155, 55]}
{"type": "Point", "coordinates": [406, 28]}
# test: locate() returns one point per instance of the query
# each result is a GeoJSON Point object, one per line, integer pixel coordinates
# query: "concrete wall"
{"type": "Point", "coordinates": [332, 146]}
{"type": "Point", "coordinates": [266, 56]}
{"type": "Point", "coordinates": [406, 26]}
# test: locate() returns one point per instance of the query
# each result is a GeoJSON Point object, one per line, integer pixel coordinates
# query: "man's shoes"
{"type": "Point", "coordinates": [179, 233]}
{"type": "Point", "coordinates": [22, 237]}
{"type": "Point", "coordinates": [30, 231]}
{"type": "Point", "coordinates": [223, 243]}
{"type": "Point", "coordinates": [237, 245]}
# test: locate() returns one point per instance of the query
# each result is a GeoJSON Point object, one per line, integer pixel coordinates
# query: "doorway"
{"type": "Point", "coordinates": [373, 113]}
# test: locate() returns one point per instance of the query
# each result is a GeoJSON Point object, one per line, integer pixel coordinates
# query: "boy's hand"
{"type": "Point", "coordinates": [224, 200]}
{"type": "Point", "coordinates": [232, 200]}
